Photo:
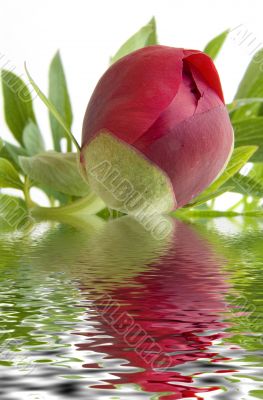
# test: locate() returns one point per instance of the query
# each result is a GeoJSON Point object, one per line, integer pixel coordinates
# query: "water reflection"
{"type": "Point", "coordinates": [104, 310]}
{"type": "Point", "coordinates": [168, 316]}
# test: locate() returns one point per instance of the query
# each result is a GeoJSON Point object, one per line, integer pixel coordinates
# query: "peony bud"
{"type": "Point", "coordinates": [156, 131]}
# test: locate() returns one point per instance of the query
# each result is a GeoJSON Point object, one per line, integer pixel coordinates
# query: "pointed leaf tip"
{"type": "Point", "coordinates": [59, 96]}
{"type": "Point", "coordinates": [213, 48]}
{"type": "Point", "coordinates": [52, 109]}
{"type": "Point", "coordinates": [146, 36]}
{"type": "Point", "coordinates": [18, 104]}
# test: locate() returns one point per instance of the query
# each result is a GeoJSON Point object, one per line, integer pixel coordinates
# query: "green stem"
{"type": "Point", "coordinates": [212, 203]}
{"type": "Point", "coordinates": [26, 191]}
{"type": "Point", "coordinates": [89, 205]}
{"type": "Point", "coordinates": [236, 205]}
{"type": "Point", "coordinates": [51, 201]}
{"type": "Point", "coordinates": [69, 145]}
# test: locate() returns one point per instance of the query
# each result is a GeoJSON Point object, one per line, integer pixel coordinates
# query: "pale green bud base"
{"type": "Point", "coordinates": [124, 178]}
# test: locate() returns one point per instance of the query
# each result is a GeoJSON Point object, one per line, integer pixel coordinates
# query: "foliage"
{"type": "Point", "coordinates": [26, 164]}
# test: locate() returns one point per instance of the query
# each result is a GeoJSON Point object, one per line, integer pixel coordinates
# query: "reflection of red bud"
{"type": "Point", "coordinates": [166, 103]}
{"type": "Point", "coordinates": [157, 320]}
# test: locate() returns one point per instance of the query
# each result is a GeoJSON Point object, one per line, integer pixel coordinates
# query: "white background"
{"type": "Point", "coordinates": [89, 32]}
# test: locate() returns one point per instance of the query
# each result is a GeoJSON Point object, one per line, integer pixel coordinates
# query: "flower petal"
{"type": "Point", "coordinates": [133, 92]}
{"type": "Point", "coordinates": [194, 96]}
{"type": "Point", "coordinates": [182, 107]}
{"type": "Point", "coordinates": [194, 153]}
{"type": "Point", "coordinates": [204, 64]}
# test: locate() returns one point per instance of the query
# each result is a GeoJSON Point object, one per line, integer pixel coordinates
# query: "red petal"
{"type": "Point", "coordinates": [204, 64]}
{"type": "Point", "coordinates": [194, 153]}
{"type": "Point", "coordinates": [133, 92]}
{"type": "Point", "coordinates": [194, 96]}
{"type": "Point", "coordinates": [182, 107]}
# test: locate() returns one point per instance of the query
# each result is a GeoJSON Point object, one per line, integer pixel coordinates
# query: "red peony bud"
{"type": "Point", "coordinates": [156, 130]}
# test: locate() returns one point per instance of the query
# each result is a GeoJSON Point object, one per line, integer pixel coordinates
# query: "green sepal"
{"type": "Point", "coordinates": [124, 178]}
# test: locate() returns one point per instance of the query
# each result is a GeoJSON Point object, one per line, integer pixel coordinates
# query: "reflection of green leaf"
{"type": "Point", "coordinates": [59, 97]}
{"type": "Point", "coordinates": [59, 171]}
{"type": "Point", "coordinates": [106, 252]}
{"type": "Point", "coordinates": [32, 139]}
{"type": "Point", "coordinates": [214, 46]}
{"type": "Point", "coordinates": [146, 36]}
{"type": "Point", "coordinates": [9, 177]}
{"type": "Point", "coordinates": [18, 105]}
{"type": "Point", "coordinates": [243, 252]}
{"type": "Point", "coordinates": [35, 289]}
{"type": "Point", "coordinates": [239, 158]}
{"type": "Point", "coordinates": [250, 132]}
{"type": "Point", "coordinates": [44, 277]}
{"type": "Point", "coordinates": [256, 393]}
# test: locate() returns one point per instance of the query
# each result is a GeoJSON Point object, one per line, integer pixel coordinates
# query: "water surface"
{"type": "Point", "coordinates": [108, 311]}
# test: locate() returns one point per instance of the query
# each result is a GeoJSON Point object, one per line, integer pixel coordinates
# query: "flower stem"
{"type": "Point", "coordinates": [26, 191]}
{"type": "Point", "coordinates": [89, 205]}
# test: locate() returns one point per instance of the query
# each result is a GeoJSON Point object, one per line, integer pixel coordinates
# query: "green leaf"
{"type": "Point", "coordinates": [239, 103]}
{"type": "Point", "coordinates": [59, 97]}
{"type": "Point", "coordinates": [256, 172]}
{"type": "Point", "coordinates": [209, 196]}
{"type": "Point", "coordinates": [250, 132]}
{"type": "Point", "coordinates": [54, 195]}
{"type": "Point", "coordinates": [241, 155]}
{"type": "Point", "coordinates": [11, 153]}
{"type": "Point", "coordinates": [239, 158]}
{"type": "Point", "coordinates": [251, 86]}
{"type": "Point", "coordinates": [1, 144]}
{"type": "Point", "coordinates": [9, 177]}
{"type": "Point", "coordinates": [58, 171]}
{"type": "Point", "coordinates": [146, 36]}
{"type": "Point", "coordinates": [186, 214]}
{"type": "Point", "coordinates": [252, 82]}
{"type": "Point", "coordinates": [214, 46]}
{"type": "Point", "coordinates": [246, 185]}
{"type": "Point", "coordinates": [32, 139]}
{"type": "Point", "coordinates": [53, 110]}
{"type": "Point", "coordinates": [18, 106]}
{"type": "Point", "coordinates": [256, 393]}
